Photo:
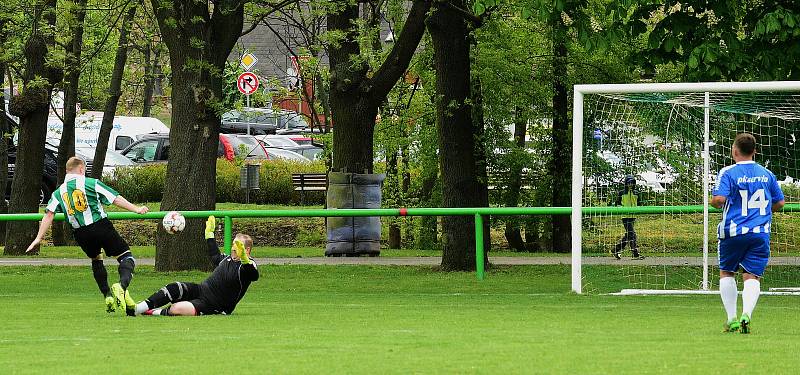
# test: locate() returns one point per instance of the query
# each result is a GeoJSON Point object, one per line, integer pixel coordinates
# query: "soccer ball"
{"type": "Point", "coordinates": [173, 222]}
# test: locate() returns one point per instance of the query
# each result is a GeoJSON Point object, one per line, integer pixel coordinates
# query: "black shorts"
{"type": "Point", "coordinates": [203, 307]}
{"type": "Point", "coordinates": [100, 234]}
{"type": "Point", "coordinates": [193, 293]}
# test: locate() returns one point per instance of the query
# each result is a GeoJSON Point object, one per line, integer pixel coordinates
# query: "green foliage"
{"type": "Point", "coordinates": [140, 183]}
{"type": "Point", "coordinates": [718, 40]}
{"type": "Point", "coordinates": [146, 183]}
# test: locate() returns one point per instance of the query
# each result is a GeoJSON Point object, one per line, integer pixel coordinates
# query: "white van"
{"type": "Point", "coordinates": [126, 130]}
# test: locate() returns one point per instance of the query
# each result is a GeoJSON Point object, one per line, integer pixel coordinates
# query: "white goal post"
{"type": "Point", "coordinates": [700, 90]}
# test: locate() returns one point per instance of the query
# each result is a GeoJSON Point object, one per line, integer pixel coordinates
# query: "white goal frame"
{"type": "Point", "coordinates": [577, 149]}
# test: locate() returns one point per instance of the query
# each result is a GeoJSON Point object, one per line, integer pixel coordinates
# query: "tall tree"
{"type": "Point", "coordinates": [356, 91]}
{"type": "Point", "coordinates": [460, 157]}
{"type": "Point", "coordinates": [32, 106]}
{"type": "Point", "coordinates": [200, 36]}
{"type": "Point", "coordinates": [114, 92]}
{"type": "Point", "coordinates": [6, 57]}
{"type": "Point", "coordinates": [560, 162]}
{"type": "Point", "coordinates": [72, 74]}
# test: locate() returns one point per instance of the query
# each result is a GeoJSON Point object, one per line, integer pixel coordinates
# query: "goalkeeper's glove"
{"type": "Point", "coordinates": [211, 225]}
{"type": "Point", "coordinates": [238, 247]}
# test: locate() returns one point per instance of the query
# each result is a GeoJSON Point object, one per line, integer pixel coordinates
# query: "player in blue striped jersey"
{"type": "Point", "coordinates": [748, 194]}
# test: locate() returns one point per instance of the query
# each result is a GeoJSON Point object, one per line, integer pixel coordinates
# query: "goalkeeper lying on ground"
{"type": "Point", "coordinates": [218, 294]}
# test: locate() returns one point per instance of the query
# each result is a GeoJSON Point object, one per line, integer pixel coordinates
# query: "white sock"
{"type": "Point", "coordinates": [141, 307]}
{"type": "Point", "coordinates": [729, 294]}
{"type": "Point", "coordinates": [750, 292]}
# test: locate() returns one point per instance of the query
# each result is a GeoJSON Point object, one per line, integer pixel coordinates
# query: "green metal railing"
{"type": "Point", "coordinates": [477, 212]}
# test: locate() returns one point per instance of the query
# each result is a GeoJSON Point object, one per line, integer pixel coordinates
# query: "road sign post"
{"type": "Point", "coordinates": [247, 83]}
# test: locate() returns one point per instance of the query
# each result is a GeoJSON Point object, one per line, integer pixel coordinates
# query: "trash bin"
{"type": "Point", "coordinates": [249, 179]}
{"type": "Point", "coordinates": [354, 236]}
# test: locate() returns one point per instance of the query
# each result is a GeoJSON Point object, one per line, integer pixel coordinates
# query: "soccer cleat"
{"type": "Point", "coordinates": [119, 296]}
{"type": "Point", "coordinates": [616, 254]}
{"type": "Point", "coordinates": [130, 304]}
{"type": "Point", "coordinates": [638, 257]}
{"type": "Point", "coordinates": [732, 325]}
{"type": "Point", "coordinates": [744, 323]}
{"type": "Point", "coordinates": [110, 304]}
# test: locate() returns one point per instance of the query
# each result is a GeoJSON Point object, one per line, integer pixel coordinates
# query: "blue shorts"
{"type": "Point", "coordinates": [750, 251]}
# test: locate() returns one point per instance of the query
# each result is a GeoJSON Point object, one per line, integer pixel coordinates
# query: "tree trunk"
{"type": "Point", "coordinates": [395, 238]}
{"type": "Point", "coordinates": [533, 238]}
{"type": "Point", "coordinates": [476, 95]}
{"type": "Point", "coordinates": [5, 128]}
{"type": "Point", "coordinates": [458, 159]}
{"type": "Point", "coordinates": [356, 92]}
{"type": "Point", "coordinates": [149, 81]}
{"type": "Point", "coordinates": [62, 234]}
{"type": "Point", "coordinates": [512, 231]}
{"type": "Point", "coordinates": [560, 165]}
{"type": "Point", "coordinates": [31, 106]}
{"type": "Point", "coordinates": [404, 188]}
{"type": "Point", "coordinates": [194, 134]}
{"type": "Point", "coordinates": [114, 93]}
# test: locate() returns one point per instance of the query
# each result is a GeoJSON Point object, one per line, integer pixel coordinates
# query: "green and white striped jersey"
{"type": "Point", "coordinates": [81, 199]}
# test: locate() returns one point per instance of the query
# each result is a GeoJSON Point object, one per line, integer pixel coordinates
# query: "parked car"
{"type": "Point", "coordinates": [125, 130]}
{"type": "Point", "coordinates": [254, 148]}
{"type": "Point", "coordinates": [154, 148]}
{"type": "Point", "coordinates": [290, 121]}
{"type": "Point", "coordinates": [113, 159]}
{"type": "Point", "coordinates": [279, 153]}
{"type": "Point", "coordinates": [253, 121]}
{"type": "Point", "coordinates": [49, 173]}
{"type": "Point", "coordinates": [311, 151]}
{"type": "Point", "coordinates": [279, 141]}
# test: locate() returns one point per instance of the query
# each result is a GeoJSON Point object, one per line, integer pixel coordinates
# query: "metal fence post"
{"type": "Point", "coordinates": [479, 246]}
{"type": "Point", "coordinates": [228, 241]}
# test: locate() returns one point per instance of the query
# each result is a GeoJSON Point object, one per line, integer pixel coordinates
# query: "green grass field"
{"type": "Point", "coordinates": [361, 319]}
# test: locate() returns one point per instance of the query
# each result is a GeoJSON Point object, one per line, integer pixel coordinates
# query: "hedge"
{"type": "Point", "coordinates": [145, 183]}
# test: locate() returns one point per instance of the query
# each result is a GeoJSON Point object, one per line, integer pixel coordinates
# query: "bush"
{"type": "Point", "coordinates": [140, 183]}
{"type": "Point", "coordinates": [146, 183]}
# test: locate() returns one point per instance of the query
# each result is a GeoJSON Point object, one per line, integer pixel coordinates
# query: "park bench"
{"type": "Point", "coordinates": [304, 182]}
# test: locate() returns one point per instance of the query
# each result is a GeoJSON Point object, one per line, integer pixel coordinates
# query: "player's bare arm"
{"type": "Point", "coordinates": [718, 201]}
{"type": "Point", "coordinates": [47, 220]}
{"type": "Point", "coordinates": [121, 202]}
{"type": "Point", "coordinates": [777, 206]}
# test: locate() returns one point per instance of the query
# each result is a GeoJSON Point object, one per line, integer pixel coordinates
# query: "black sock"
{"type": "Point", "coordinates": [169, 294]}
{"type": "Point", "coordinates": [126, 266]}
{"type": "Point", "coordinates": [101, 276]}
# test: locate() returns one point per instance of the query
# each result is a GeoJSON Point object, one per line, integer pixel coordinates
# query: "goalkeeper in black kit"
{"type": "Point", "coordinates": [218, 294]}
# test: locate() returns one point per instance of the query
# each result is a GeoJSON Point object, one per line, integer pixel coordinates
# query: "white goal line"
{"type": "Point", "coordinates": [662, 292]}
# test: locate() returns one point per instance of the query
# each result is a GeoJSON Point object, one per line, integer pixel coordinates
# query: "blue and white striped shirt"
{"type": "Point", "coordinates": [750, 190]}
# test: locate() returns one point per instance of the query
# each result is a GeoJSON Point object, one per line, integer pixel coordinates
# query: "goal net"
{"type": "Point", "coordinates": [672, 139]}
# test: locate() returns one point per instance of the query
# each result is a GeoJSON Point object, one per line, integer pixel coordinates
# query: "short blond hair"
{"type": "Point", "coordinates": [246, 240]}
{"type": "Point", "coordinates": [74, 163]}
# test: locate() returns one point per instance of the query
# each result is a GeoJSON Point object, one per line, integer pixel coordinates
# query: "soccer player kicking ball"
{"type": "Point", "coordinates": [748, 194]}
{"type": "Point", "coordinates": [218, 294]}
{"type": "Point", "coordinates": [82, 198]}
